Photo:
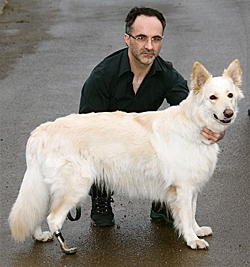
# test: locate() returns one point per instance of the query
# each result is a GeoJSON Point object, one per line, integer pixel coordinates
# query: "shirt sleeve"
{"type": "Point", "coordinates": [95, 93]}
{"type": "Point", "coordinates": [178, 89]}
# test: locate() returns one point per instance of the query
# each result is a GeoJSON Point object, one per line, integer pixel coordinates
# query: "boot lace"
{"type": "Point", "coordinates": [103, 204]}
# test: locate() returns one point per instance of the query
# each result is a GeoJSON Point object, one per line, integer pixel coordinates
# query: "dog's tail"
{"type": "Point", "coordinates": [31, 204]}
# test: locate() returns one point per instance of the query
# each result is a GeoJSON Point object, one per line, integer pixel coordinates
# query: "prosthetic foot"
{"type": "Point", "coordinates": [64, 248]}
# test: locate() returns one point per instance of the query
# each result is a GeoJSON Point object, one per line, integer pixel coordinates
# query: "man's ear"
{"type": "Point", "coordinates": [127, 39]}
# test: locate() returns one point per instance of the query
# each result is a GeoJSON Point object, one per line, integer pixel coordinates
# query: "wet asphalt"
{"type": "Point", "coordinates": [47, 50]}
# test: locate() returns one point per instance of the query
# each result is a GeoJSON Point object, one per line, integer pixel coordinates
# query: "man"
{"type": "Point", "coordinates": [134, 79]}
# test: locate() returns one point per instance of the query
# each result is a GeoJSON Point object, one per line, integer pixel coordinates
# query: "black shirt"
{"type": "Point", "coordinates": [109, 86]}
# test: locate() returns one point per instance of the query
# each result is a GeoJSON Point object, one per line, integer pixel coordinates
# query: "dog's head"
{"type": "Point", "coordinates": [218, 96]}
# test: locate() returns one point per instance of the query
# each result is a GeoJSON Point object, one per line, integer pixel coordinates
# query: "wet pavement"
{"type": "Point", "coordinates": [47, 50]}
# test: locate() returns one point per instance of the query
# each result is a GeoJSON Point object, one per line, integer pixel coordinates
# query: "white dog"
{"type": "Point", "coordinates": [158, 155]}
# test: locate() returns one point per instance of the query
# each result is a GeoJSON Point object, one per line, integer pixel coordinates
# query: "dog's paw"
{"type": "Point", "coordinates": [44, 236]}
{"type": "Point", "coordinates": [198, 244]}
{"type": "Point", "coordinates": [204, 231]}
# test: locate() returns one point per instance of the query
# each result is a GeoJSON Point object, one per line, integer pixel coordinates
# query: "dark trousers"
{"type": "Point", "coordinates": [99, 190]}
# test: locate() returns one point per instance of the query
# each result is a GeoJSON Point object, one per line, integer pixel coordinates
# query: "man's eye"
{"type": "Point", "coordinates": [141, 38]}
{"type": "Point", "coordinates": [157, 39]}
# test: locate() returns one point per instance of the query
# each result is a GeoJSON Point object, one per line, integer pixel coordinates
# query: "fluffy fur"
{"type": "Point", "coordinates": [158, 155]}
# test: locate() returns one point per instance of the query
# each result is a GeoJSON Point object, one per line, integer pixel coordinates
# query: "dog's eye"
{"type": "Point", "coordinates": [213, 97]}
{"type": "Point", "coordinates": [230, 95]}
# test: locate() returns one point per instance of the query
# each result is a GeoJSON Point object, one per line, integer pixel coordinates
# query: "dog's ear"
{"type": "Point", "coordinates": [234, 72]}
{"type": "Point", "coordinates": [199, 77]}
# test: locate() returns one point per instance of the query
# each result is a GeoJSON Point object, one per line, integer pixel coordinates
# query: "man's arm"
{"type": "Point", "coordinates": [95, 94]}
{"type": "Point", "coordinates": [177, 90]}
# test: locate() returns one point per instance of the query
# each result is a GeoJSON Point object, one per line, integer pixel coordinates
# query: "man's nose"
{"type": "Point", "coordinates": [149, 44]}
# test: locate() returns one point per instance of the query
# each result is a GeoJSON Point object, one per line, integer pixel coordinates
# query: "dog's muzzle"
{"type": "Point", "coordinates": [228, 115]}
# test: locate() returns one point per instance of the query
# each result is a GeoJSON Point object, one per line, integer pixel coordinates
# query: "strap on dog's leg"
{"type": "Point", "coordinates": [63, 246]}
{"type": "Point", "coordinates": [78, 214]}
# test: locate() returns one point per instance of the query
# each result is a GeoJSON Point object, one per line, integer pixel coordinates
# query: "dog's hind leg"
{"type": "Point", "coordinates": [41, 236]}
{"type": "Point", "coordinates": [55, 221]}
{"type": "Point", "coordinates": [62, 202]}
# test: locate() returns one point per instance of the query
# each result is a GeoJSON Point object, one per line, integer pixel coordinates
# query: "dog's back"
{"type": "Point", "coordinates": [124, 148]}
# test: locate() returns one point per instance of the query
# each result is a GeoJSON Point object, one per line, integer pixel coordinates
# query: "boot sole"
{"type": "Point", "coordinates": [93, 223]}
{"type": "Point", "coordinates": [161, 217]}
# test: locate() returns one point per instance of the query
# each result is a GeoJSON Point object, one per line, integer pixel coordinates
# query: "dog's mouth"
{"type": "Point", "coordinates": [224, 121]}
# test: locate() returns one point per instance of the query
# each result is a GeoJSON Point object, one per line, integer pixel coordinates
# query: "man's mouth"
{"type": "Point", "coordinates": [148, 53]}
{"type": "Point", "coordinates": [225, 120]}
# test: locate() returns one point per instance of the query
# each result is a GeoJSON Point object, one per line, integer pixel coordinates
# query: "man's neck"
{"type": "Point", "coordinates": [140, 71]}
{"type": "Point", "coordinates": [138, 68]}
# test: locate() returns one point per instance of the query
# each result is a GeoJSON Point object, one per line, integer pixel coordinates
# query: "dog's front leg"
{"type": "Point", "coordinates": [203, 230]}
{"type": "Point", "coordinates": [184, 214]}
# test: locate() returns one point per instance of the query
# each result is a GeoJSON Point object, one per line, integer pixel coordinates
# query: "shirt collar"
{"type": "Point", "coordinates": [125, 65]}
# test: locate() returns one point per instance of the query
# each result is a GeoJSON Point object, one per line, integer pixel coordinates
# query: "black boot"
{"type": "Point", "coordinates": [159, 211]}
{"type": "Point", "coordinates": [101, 212]}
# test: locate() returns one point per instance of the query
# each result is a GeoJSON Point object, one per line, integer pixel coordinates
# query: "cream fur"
{"type": "Point", "coordinates": [157, 155]}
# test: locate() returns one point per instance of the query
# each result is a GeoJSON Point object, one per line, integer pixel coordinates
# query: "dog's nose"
{"type": "Point", "coordinates": [228, 113]}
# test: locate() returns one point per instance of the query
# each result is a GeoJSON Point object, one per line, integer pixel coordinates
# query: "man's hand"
{"type": "Point", "coordinates": [211, 136]}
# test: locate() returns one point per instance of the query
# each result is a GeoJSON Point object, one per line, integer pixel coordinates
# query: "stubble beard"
{"type": "Point", "coordinates": [144, 58]}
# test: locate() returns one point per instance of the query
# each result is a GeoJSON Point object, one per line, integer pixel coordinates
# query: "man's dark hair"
{"type": "Point", "coordinates": [137, 11]}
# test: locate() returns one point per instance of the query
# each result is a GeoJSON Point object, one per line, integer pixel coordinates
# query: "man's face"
{"type": "Point", "coordinates": [144, 50]}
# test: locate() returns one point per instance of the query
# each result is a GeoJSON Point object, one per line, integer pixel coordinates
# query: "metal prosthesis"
{"type": "Point", "coordinates": [64, 248]}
